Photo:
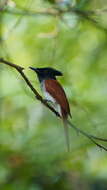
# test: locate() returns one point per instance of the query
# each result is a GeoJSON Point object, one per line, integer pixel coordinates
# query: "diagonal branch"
{"type": "Point", "coordinates": [90, 137]}
{"type": "Point", "coordinates": [39, 97]}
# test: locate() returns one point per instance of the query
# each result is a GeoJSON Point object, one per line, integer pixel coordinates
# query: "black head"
{"type": "Point", "coordinates": [46, 73]}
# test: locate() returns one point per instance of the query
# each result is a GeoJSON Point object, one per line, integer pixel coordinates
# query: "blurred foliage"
{"type": "Point", "coordinates": [33, 151]}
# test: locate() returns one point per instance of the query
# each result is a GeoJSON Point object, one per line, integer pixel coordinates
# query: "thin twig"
{"type": "Point", "coordinates": [17, 67]}
{"type": "Point", "coordinates": [91, 137]}
{"type": "Point", "coordinates": [86, 15]}
{"type": "Point", "coordinates": [24, 12]}
{"type": "Point", "coordinates": [39, 97]}
{"type": "Point", "coordinates": [85, 134]}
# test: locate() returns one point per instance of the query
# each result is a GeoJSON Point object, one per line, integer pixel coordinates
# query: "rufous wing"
{"type": "Point", "coordinates": [56, 91]}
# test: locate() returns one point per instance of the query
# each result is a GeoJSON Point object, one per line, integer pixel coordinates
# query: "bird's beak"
{"type": "Point", "coordinates": [34, 69]}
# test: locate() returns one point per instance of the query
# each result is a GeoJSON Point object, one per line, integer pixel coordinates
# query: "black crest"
{"type": "Point", "coordinates": [46, 73]}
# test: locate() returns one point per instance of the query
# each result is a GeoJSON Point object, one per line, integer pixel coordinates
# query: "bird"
{"type": "Point", "coordinates": [54, 92]}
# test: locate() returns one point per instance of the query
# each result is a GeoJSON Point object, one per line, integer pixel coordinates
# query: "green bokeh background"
{"type": "Point", "coordinates": [33, 152]}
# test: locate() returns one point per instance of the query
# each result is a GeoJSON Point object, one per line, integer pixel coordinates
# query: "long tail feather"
{"type": "Point", "coordinates": [66, 134]}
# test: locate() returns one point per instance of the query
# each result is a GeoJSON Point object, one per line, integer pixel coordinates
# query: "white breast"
{"type": "Point", "coordinates": [46, 94]}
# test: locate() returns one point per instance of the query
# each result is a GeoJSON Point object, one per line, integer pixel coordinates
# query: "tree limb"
{"type": "Point", "coordinates": [90, 137]}
{"type": "Point", "coordinates": [39, 97]}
